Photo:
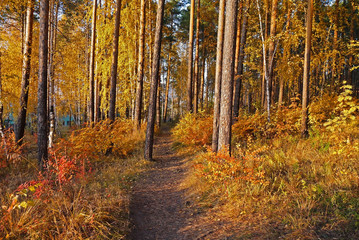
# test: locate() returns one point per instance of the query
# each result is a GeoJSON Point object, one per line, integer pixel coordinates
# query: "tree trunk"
{"type": "Point", "coordinates": [92, 62]}
{"type": "Point", "coordinates": [351, 57]}
{"type": "Point", "coordinates": [201, 90]}
{"type": "Point", "coordinates": [218, 77]}
{"type": "Point", "coordinates": [154, 82]}
{"type": "Point", "coordinates": [266, 35]}
{"type": "Point", "coordinates": [271, 53]}
{"type": "Point", "coordinates": [158, 102]}
{"type": "Point", "coordinates": [26, 67]}
{"type": "Point", "coordinates": [306, 74]}
{"type": "Point", "coordinates": [286, 55]}
{"type": "Point", "coordinates": [196, 61]}
{"type": "Point", "coordinates": [112, 110]}
{"type": "Point", "coordinates": [140, 72]}
{"type": "Point", "coordinates": [167, 83]}
{"type": "Point", "coordinates": [243, 39]}
{"type": "Point", "coordinates": [42, 85]}
{"type": "Point", "coordinates": [225, 127]}
{"type": "Point", "coordinates": [238, 38]}
{"type": "Point", "coordinates": [190, 60]}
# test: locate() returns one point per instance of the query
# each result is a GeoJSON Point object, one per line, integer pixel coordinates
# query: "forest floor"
{"type": "Point", "coordinates": [161, 207]}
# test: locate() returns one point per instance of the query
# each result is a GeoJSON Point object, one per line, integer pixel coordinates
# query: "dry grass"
{"type": "Point", "coordinates": [89, 202]}
{"type": "Point", "coordinates": [310, 186]}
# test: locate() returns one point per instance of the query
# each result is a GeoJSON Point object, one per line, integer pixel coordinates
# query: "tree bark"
{"type": "Point", "coordinates": [158, 102]}
{"type": "Point", "coordinates": [26, 67]}
{"type": "Point", "coordinates": [42, 85]}
{"type": "Point", "coordinates": [238, 37]}
{"type": "Point", "coordinates": [243, 39]}
{"type": "Point", "coordinates": [306, 74]}
{"type": "Point", "coordinates": [154, 82]}
{"type": "Point", "coordinates": [218, 77]}
{"type": "Point", "coordinates": [286, 56]}
{"type": "Point", "coordinates": [167, 83]}
{"type": "Point", "coordinates": [92, 62]}
{"type": "Point", "coordinates": [225, 127]}
{"type": "Point", "coordinates": [190, 60]}
{"type": "Point", "coordinates": [140, 72]}
{"type": "Point", "coordinates": [201, 90]}
{"type": "Point", "coordinates": [271, 53]}
{"type": "Point", "coordinates": [196, 61]}
{"type": "Point", "coordinates": [112, 110]}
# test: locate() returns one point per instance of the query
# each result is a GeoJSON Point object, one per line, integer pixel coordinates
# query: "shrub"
{"type": "Point", "coordinates": [104, 137]}
{"type": "Point", "coordinates": [194, 130]}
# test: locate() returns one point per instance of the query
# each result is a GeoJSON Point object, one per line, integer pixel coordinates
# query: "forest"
{"type": "Point", "coordinates": [170, 119]}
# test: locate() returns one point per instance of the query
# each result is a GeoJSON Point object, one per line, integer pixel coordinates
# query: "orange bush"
{"type": "Point", "coordinates": [194, 130]}
{"type": "Point", "coordinates": [10, 152]}
{"type": "Point", "coordinates": [118, 137]}
{"type": "Point", "coordinates": [225, 169]}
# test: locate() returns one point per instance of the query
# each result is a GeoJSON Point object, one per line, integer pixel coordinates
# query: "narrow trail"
{"type": "Point", "coordinates": [159, 208]}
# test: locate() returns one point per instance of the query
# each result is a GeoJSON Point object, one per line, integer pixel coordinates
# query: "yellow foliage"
{"type": "Point", "coordinates": [118, 138]}
{"type": "Point", "coordinates": [194, 130]}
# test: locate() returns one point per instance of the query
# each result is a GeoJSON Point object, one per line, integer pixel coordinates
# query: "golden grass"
{"type": "Point", "coordinates": [94, 205]}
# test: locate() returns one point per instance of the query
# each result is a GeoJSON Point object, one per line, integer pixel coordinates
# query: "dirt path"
{"type": "Point", "coordinates": [159, 208]}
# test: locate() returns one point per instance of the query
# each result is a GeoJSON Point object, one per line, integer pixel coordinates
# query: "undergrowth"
{"type": "Point", "coordinates": [277, 184]}
{"type": "Point", "coordinates": [82, 194]}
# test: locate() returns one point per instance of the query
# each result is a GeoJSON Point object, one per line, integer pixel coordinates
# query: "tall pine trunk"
{"type": "Point", "coordinates": [26, 67]}
{"type": "Point", "coordinates": [42, 85]}
{"type": "Point", "coordinates": [154, 82]}
{"type": "Point", "coordinates": [92, 63]}
{"type": "Point", "coordinates": [243, 38]}
{"type": "Point", "coordinates": [271, 54]}
{"type": "Point", "coordinates": [196, 61]}
{"type": "Point", "coordinates": [112, 111]}
{"type": "Point", "coordinates": [167, 83]}
{"type": "Point", "coordinates": [218, 77]}
{"type": "Point", "coordinates": [140, 72]}
{"type": "Point", "coordinates": [225, 127]}
{"type": "Point", "coordinates": [190, 60]}
{"type": "Point", "coordinates": [306, 74]}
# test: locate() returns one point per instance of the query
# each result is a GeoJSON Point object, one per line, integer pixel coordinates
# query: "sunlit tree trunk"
{"type": "Point", "coordinates": [196, 61]}
{"type": "Point", "coordinates": [201, 90]}
{"type": "Point", "coordinates": [112, 111]}
{"type": "Point", "coordinates": [92, 62]}
{"type": "Point", "coordinates": [158, 102]}
{"type": "Point", "coordinates": [266, 35]}
{"type": "Point", "coordinates": [286, 55]}
{"type": "Point", "coordinates": [167, 83]}
{"type": "Point", "coordinates": [42, 85]}
{"type": "Point", "coordinates": [140, 72]}
{"type": "Point", "coordinates": [218, 77]}
{"type": "Point", "coordinates": [243, 38]}
{"type": "Point", "coordinates": [190, 60]}
{"type": "Point", "coordinates": [26, 67]}
{"type": "Point", "coordinates": [154, 82]}
{"type": "Point", "coordinates": [271, 53]}
{"type": "Point", "coordinates": [351, 57]}
{"type": "Point", "coordinates": [306, 74]}
{"type": "Point", "coordinates": [225, 127]}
